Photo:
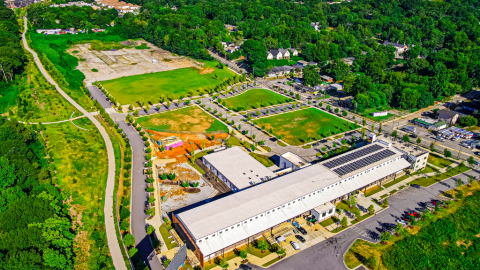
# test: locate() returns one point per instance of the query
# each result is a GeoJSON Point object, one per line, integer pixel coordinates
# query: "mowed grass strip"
{"type": "Point", "coordinates": [190, 118]}
{"type": "Point", "coordinates": [178, 82]}
{"type": "Point", "coordinates": [254, 99]}
{"type": "Point", "coordinates": [297, 127]}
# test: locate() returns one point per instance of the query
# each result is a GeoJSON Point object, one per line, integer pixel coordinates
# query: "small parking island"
{"type": "Point", "coordinates": [302, 126]}
{"type": "Point", "coordinates": [254, 99]}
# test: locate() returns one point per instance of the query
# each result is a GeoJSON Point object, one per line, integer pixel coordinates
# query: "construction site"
{"type": "Point", "coordinates": [176, 159]}
{"type": "Point", "coordinates": [136, 57]}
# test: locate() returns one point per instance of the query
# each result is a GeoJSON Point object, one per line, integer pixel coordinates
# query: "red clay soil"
{"type": "Point", "coordinates": [182, 153]}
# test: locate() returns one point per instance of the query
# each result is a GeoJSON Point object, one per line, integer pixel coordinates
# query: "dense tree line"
{"type": "Point", "coordinates": [35, 227]}
{"type": "Point", "coordinates": [46, 17]}
{"type": "Point", "coordinates": [12, 57]}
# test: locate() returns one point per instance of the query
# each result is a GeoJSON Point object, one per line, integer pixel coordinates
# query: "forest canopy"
{"type": "Point", "coordinates": [35, 227]}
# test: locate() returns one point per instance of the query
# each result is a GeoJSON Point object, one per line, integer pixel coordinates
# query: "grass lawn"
{"type": "Point", "coordinates": [297, 127]}
{"type": "Point", "coordinates": [428, 169]}
{"type": "Point", "coordinates": [165, 234]}
{"type": "Point", "coordinates": [178, 82]}
{"type": "Point", "coordinates": [254, 99]}
{"type": "Point", "coordinates": [80, 161]}
{"type": "Point", "coordinates": [398, 180]}
{"type": "Point", "coordinates": [265, 160]}
{"type": "Point", "coordinates": [368, 114]}
{"type": "Point", "coordinates": [328, 221]}
{"type": "Point", "coordinates": [373, 190]}
{"type": "Point", "coordinates": [438, 161]}
{"type": "Point", "coordinates": [197, 156]}
{"type": "Point", "coordinates": [428, 181]}
{"type": "Point", "coordinates": [234, 141]}
{"type": "Point", "coordinates": [266, 148]}
{"type": "Point", "coordinates": [190, 118]}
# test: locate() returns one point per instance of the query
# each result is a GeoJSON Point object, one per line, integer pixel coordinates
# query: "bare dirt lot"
{"type": "Point", "coordinates": [127, 61]}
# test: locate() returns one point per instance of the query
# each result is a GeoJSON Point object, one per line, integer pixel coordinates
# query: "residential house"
{"type": "Point", "coordinates": [450, 117]}
{"type": "Point", "coordinates": [326, 78]}
{"type": "Point", "coordinates": [269, 55]}
{"type": "Point", "coordinates": [349, 60]}
{"type": "Point", "coordinates": [231, 49]}
{"type": "Point", "coordinates": [336, 86]}
{"type": "Point", "coordinates": [285, 53]}
{"type": "Point", "coordinates": [302, 63]}
{"type": "Point", "coordinates": [276, 54]}
{"type": "Point", "coordinates": [315, 25]}
{"type": "Point", "coordinates": [294, 52]}
{"type": "Point", "coordinates": [399, 48]}
{"type": "Point", "coordinates": [231, 28]}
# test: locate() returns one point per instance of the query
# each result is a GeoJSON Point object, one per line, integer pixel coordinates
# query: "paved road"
{"type": "Point", "coordinates": [329, 253]}
{"type": "Point", "coordinates": [139, 197]}
{"type": "Point", "coordinates": [113, 244]}
{"type": "Point", "coordinates": [99, 96]}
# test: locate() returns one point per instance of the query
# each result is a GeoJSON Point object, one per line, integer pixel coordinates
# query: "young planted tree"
{"type": "Point", "coordinates": [262, 245]}
{"type": "Point", "coordinates": [371, 209]}
{"type": "Point", "coordinates": [150, 229]}
{"type": "Point", "coordinates": [344, 222]}
{"type": "Point", "coordinates": [385, 236]}
{"type": "Point", "coordinates": [352, 201]}
{"type": "Point", "coordinates": [385, 202]}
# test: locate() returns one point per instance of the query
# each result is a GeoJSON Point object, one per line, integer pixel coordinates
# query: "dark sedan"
{"type": "Point", "coordinates": [300, 238]}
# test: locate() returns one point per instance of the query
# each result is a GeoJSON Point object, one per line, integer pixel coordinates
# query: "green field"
{"type": "Point", "coordinates": [178, 82]}
{"type": "Point", "coordinates": [190, 118]}
{"type": "Point", "coordinates": [368, 114]}
{"type": "Point", "coordinates": [300, 126]}
{"type": "Point", "coordinates": [254, 99]}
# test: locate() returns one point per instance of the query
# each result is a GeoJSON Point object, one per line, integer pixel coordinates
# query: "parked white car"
{"type": "Point", "coordinates": [295, 245]}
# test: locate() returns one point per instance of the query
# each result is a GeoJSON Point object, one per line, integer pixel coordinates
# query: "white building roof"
{"type": "Point", "coordinates": [239, 167]}
{"type": "Point", "coordinates": [271, 203]}
{"type": "Point", "coordinates": [295, 159]}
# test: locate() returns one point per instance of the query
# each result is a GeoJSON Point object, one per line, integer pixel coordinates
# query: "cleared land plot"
{"type": "Point", "coordinates": [296, 127]}
{"type": "Point", "coordinates": [254, 99]}
{"type": "Point", "coordinates": [115, 59]}
{"type": "Point", "coordinates": [191, 119]}
{"type": "Point", "coordinates": [178, 82]}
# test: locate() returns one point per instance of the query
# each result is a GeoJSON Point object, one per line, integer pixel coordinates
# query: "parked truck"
{"type": "Point", "coordinates": [410, 129]}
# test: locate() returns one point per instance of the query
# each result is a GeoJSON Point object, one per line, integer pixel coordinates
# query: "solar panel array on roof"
{"type": "Point", "coordinates": [352, 156]}
{"type": "Point", "coordinates": [364, 162]}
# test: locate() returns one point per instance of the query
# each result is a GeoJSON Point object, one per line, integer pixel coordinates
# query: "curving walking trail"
{"type": "Point", "coordinates": [113, 244]}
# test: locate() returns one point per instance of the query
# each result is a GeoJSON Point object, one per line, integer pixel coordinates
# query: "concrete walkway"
{"type": "Point", "coordinates": [110, 224]}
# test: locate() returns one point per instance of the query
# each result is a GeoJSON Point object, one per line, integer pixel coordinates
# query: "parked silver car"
{"type": "Point", "coordinates": [295, 245]}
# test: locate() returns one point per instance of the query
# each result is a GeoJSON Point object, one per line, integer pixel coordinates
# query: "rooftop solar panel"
{"type": "Point", "coordinates": [352, 156]}
{"type": "Point", "coordinates": [364, 162]}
